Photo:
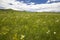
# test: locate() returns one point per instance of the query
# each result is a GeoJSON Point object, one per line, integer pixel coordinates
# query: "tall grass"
{"type": "Point", "coordinates": [15, 25]}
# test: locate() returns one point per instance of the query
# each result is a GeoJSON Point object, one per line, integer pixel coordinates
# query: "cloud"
{"type": "Point", "coordinates": [49, 1]}
{"type": "Point", "coordinates": [21, 6]}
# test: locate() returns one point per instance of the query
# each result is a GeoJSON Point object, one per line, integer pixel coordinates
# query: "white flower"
{"type": "Point", "coordinates": [48, 31]}
{"type": "Point", "coordinates": [22, 36]}
{"type": "Point", "coordinates": [54, 32]}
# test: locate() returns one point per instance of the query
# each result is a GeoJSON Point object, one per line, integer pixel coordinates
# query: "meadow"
{"type": "Point", "coordinates": [17, 25]}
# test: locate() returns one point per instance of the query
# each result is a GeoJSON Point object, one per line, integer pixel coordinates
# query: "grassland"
{"type": "Point", "coordinates": [15, 25]}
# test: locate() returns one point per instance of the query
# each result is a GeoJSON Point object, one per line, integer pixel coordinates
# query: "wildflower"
{"type": "Point", "coordinates": [54, 32]}
{"type": "Point", "coordinates": [48, 31]}
{"type": "Point", "coordinates": [22, 36]}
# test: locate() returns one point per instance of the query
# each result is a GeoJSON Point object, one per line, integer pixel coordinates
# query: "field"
{"type": "Point", "coordinates": [15, 25]}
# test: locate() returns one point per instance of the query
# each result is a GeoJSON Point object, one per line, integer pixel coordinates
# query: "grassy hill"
{"type": "Point", "coordinates": [16, 25]}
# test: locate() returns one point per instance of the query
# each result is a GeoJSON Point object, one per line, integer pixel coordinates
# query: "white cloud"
{"type": "Point", "coordinates": [52, 1]}
{"type": "Point", "coordinates": [16, 5]}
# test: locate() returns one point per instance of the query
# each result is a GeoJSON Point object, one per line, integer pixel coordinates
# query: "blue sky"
{"type": "Point", "coordinates": [34, 5]}
{"type": "Point", "coordinates": [35, 1]}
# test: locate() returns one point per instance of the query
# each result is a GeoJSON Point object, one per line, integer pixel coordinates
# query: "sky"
{"type": "Point", "coordinates": [31, 5]}
{"type": "Point", "coordinates": [34, 1]}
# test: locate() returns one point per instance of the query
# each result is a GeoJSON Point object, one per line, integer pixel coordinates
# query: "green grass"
{"type": "Point", "coordinates": [15, 25]}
